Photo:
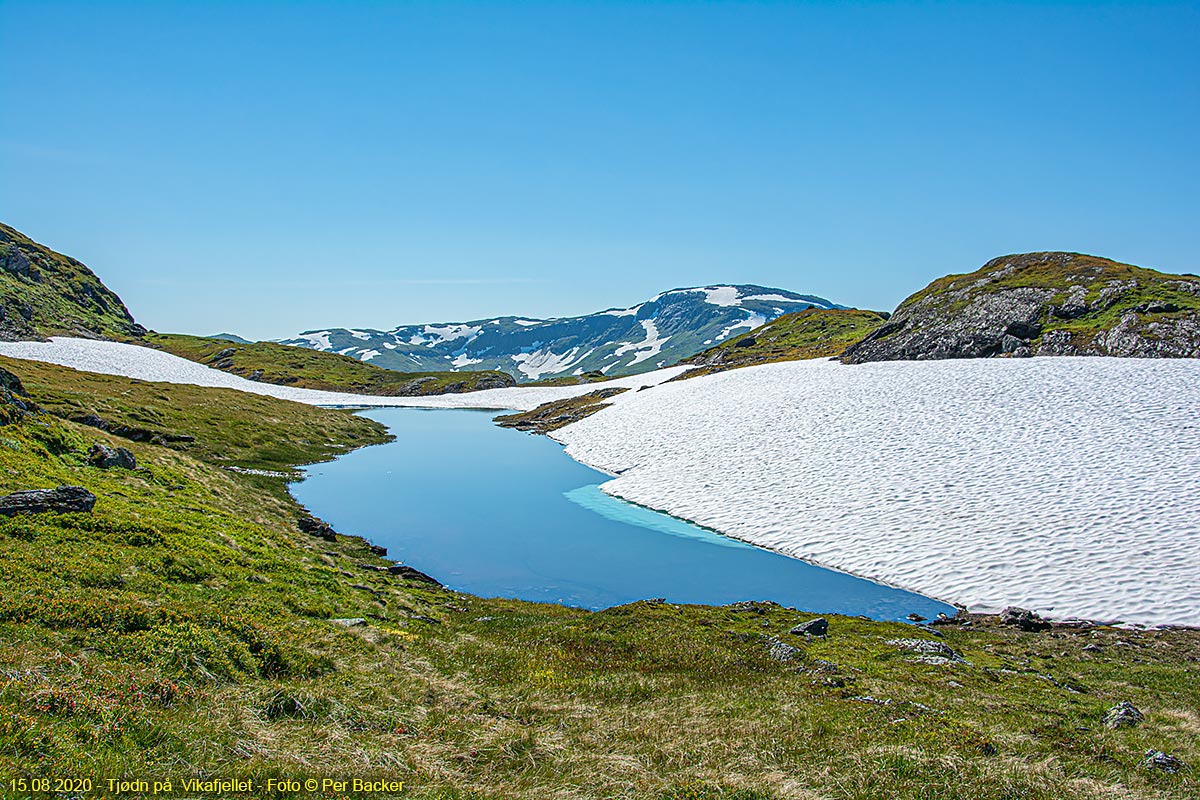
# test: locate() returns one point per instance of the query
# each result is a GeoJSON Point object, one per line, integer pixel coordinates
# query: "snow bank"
{"type": "Point", "coordinates": [1068, 485]}
{"type": "Point", "coordinates": [133, 361]}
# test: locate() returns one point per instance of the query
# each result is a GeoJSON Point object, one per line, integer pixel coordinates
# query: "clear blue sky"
{"type": "Point", "coordinates": [270, 167]}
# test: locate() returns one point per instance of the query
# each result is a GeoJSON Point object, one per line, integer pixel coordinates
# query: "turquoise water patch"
{"type": "Point", "coordinates": [594, 499]}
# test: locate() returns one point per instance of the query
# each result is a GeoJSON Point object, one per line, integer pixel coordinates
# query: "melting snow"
{"type": "Point", "coordinates": [527, 322]}
{"type": "Point", "coordinates": [751, 322]}
{"type": "Point", "coordinates": [721, 295]}
{"type": "Point", "coordinates": [1067, 485]}
{"type": "Point", "coordinates": [318, 340]}
{"type": "Point", "coordinates": [359, 334]}
{"type": "Point", "coordinates": [367, 355]}
{"type": "Point", "coordinates": [623, 312]}
{"type": "Point", "coordinates": [143, 363]}
{"type": "Point", "coordinates": [448, 333]}
{"type": "Point", "coordinates": [651, 346]}
{"type": "Point", "coordinates": [463, 360]}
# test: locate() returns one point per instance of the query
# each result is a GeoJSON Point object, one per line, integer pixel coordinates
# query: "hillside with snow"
{"type": "Point", "coordinates": [668, 327]}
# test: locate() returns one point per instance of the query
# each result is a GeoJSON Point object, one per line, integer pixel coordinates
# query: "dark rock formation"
{"type": "Point", "coordinates": [1042, 304]}
{"type": "Point", "coordinates": [63, 500]}
{"type": "Point", "coordinates": [813, 627]}
{"type": "Point", "coordinates": [407, 572]}
{"type": "Point", "coordinates": [378, 550]}
{"type": "Point", "coordinates": [14, 401]}
{"type": "Point", "coordinates": [319, 528]}
{"type": "Point", "coordinates": [131, 433]}
{"type": "Point", "coordinates": [104, 457]}
{"type": "Point", "coordinates": [1024, 619]}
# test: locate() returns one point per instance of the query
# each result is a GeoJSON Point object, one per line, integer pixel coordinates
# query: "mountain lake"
{"type": "Point", "coordinates": [500, 513]}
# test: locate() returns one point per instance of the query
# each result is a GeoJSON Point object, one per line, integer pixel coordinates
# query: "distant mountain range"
{"type": "Point", "coordinates": [664, 329]}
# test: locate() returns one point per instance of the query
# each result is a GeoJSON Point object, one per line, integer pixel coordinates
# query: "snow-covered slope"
{"type": "Point", "coordinates": [663, 330]}
{"type": "Point", "coordinates": [1068, 485]}
{"type": "Point", "coordinates": [144, 363]}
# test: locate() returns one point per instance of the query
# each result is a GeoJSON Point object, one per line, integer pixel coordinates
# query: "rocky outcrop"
{"type": "Point", "coordinates": [105, 457]}
{"type": "Point", "coordinates": [1023, 619]}
{"type": "Point", "coordinates": [813, 627]}
{"type": "Point", "coordinates": [1043, 304]}
{"type": "Point", "coordinates": [14, 400]}
{"type": "Point", "coordinates": [318, 528]}
{"type": "Point", "coordinates": [409, 573]}
{"type": "Point", "coordinates": [132, 433]}
{"type": "Point", "coordinates": [63, 500]}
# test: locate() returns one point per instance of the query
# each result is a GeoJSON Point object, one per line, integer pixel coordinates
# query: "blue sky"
{"type": "Point", "coordinates": [271, 167]}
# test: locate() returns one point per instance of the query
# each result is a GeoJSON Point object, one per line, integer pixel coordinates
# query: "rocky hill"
{"type": "Point", "coordinates": [1062, 304]}
{"type": "Point", "coordinates": [44, 293]}
{"type": "Point", "coordinates": [661, 331]}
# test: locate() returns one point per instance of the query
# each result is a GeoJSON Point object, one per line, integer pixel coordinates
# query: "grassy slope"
{"type": "Point", "coordinates": [815, 333]}
{"type": "Point", "coordinates": [181, 629]}
{"type": "Point", "coordinates": [44, 293]}
{"type": "Point", "coordinates": [270, 362]}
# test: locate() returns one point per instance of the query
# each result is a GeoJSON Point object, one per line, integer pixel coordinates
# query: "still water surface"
{"type": "Point", "coordinates": [500, 513]}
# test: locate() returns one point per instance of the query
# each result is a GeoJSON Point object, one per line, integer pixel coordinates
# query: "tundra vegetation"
{"type": "Point", "coordinates": [186, 627]}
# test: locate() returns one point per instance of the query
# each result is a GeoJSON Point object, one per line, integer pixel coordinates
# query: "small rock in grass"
{"type": "Point", "coordinates": [781, 651]}
{"type": "Point", "coordinates": [1123, 715]}
{"type": "Point", "coordinates": [63, 500]}
{"type": "Point", "coordinates": [814, 627]}
{"type": "Point", "coordinates": [1157, 759]}
{"type": "Point", "coordinates": [103, 456]}
{"type": "Point", "coordinates": [930, 652]}
{"type": "Point", "coordinates": [349, 622]}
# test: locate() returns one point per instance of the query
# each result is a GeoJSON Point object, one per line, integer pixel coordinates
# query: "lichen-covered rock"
{"type": "Point", "coordinates": [63, 500]}
{"type": "Point", "coordinates": [1164, 762]}
{"type": "Point", "coordinates": [1123, 715]}
{"type": "Point", "coordinates": [1043, 304]}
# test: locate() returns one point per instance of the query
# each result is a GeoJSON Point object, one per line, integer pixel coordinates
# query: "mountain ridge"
{"type": "Point", "coordinates": [670, 326]}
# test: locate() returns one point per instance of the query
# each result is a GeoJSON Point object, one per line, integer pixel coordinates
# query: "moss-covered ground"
{"type": "Point", "coordinates": [813, 333]}
{"type": "Point", "coordinates": [183, 630]}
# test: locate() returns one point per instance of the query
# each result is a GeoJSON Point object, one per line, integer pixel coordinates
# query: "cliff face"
{"type": "Point", "coordinates": [1043, 304]}
{"type": "Point", "coordinates": [44, 293]}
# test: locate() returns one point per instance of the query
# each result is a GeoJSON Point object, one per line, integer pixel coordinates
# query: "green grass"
{"type": "Point", "coordinates": [271, 362]}
{"type": "Point", "coordinates": [813, 333]}
{"type": "Point", "coordinates": [182, 630]}
{"type": "Point", "coordinates": [44, 293]}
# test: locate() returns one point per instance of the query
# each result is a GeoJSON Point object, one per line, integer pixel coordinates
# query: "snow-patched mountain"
{"type": "Point", "coordinates": [660, 331]}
